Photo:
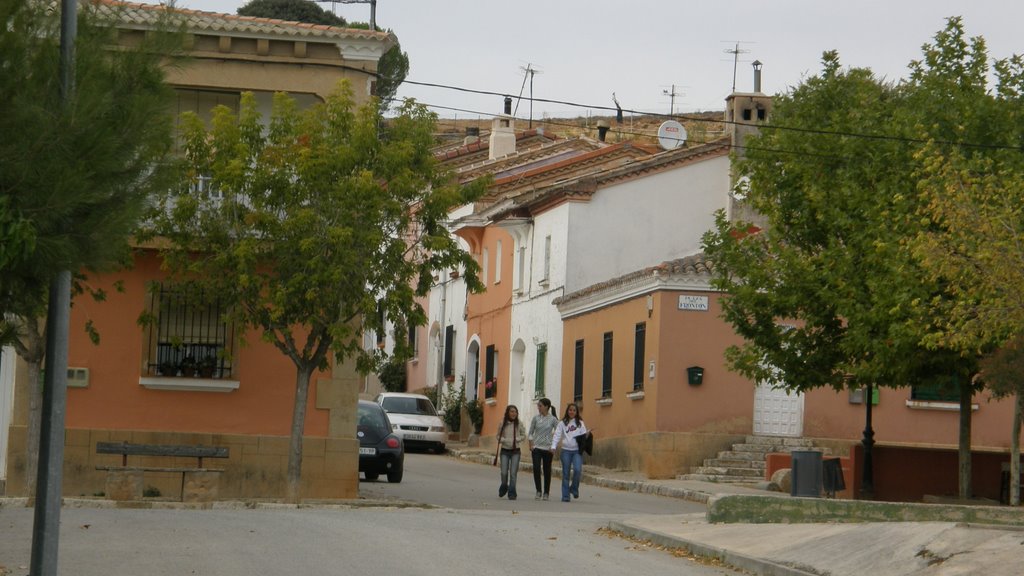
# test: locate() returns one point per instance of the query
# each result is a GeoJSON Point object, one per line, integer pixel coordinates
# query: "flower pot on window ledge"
{"type": "Point", "coordinates": [449, 378]}
{"type": "Point", "coordinates": [189, 366]}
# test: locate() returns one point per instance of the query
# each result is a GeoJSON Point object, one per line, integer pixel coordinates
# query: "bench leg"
{"type": "Point", "coordinates": [200, 486]}
{"type": "Point", "coordinates": [124, 485]}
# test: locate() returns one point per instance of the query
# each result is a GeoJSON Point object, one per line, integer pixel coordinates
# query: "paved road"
{"type": "Point", "coordinates": [453, 483]}
{"type": "Point", "coordinates": [474, 533]}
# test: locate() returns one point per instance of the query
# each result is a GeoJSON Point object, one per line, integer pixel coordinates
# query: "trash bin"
{"type": "Point", "coordinates": [806, 474]}
{"type": "Point", "coordinates": [832, 479]}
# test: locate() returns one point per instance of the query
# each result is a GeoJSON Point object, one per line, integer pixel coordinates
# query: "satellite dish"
{"type": "Point", "coordinates": [671, 135]}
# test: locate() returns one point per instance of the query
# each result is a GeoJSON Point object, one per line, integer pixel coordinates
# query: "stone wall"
{"type": "Point", "coordinates": [256, 468]}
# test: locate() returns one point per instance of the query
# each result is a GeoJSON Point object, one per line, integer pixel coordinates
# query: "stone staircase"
{"type": "Point", "coordinates": [745, 462]}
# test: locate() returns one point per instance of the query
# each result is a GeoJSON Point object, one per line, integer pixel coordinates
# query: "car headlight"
{"type": "Point", "coordinates": [395, 427]}
{"type": "Point", "coordinates": [437, 428]}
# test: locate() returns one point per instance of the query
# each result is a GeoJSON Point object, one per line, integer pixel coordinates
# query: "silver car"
{"type": "Point", "coordinates": [414, 419]}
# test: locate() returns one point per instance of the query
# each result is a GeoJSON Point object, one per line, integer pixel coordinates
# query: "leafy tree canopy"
{"type": "Point", "coordinates": [75, 175]}
{"type": "Point", "coordinates": [830, 291]}
{"type": "Point", "coordinates": [292, 10]}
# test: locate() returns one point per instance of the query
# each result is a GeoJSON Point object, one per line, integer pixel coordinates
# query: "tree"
{"type": "Point", "coordinates": [291, 10]}
{"type": "Point", "coordinates": [320, 217]}
{"type": "Point", "coordinates": [75, 180]}
{"type": "Point", "coordinates": [829, 293]}
{"type": "Point", "coordinates": [975, 243]}
{"type": "Point", "coordinates": [393, 66]}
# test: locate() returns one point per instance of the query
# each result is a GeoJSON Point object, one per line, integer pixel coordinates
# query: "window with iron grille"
{"type": "Point", "coordinates": [490, 371]}
{"type": "Point", "coordinates": [606, 367]}
{"type": "Point", "coordinates": [449, 351]}
{"type": "Point", "coordinates": [577, 382]}
{"type": "Point", "coordinates": [639, 351]}
{"type": "Point", "coordinates": [187, 335]}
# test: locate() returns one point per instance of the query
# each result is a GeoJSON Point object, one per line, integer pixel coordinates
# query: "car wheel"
{"type": "Point", "coordinates": [372, 475]}
{"type": "Point", "coordinates": [395, 474]}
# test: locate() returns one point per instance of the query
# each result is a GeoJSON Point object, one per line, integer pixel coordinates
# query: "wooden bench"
{"type": "Point", "coordinates": [198, 483]}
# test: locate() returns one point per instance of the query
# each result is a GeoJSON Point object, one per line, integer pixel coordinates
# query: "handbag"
{"type": "Point", "coordinates": [586, 443]}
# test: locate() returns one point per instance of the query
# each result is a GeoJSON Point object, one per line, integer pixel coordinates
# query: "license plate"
{"type": "Point", "coordinates": [414, 436]}
{"type": "Point", "coordinates": [370, 451]}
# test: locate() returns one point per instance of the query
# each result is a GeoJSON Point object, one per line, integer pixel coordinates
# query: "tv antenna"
{"type": "Point", "coordinates": [735, 51]}
{"type": "Point", "coordinates": [672, 98]}
{"type": "Point", "coordinates": [528, 72]}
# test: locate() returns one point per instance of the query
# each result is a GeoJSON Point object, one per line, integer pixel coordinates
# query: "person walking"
{"type": "Point", "coordinates": [569, 428]}
{"type": "Point", "coordinates": [511, 435]}
{"type": "Point", "coordinates": [542, 430]}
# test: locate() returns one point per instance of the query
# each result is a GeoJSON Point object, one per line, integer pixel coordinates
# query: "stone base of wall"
{"type": "Point", "coordinates": [256, 468]}
{"type": "Point", "coordinates": [660, 454]}
{"type": "Point", "coordinates": [123, 485]}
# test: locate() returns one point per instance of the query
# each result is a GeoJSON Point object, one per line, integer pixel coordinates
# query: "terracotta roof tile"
{"type": "Point", "coordinates": [693, 265]}
{"type": "Point", "coordinates": [149, 14]}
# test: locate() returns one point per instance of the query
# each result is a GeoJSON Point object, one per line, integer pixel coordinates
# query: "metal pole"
{"type": "Point", "coordinates": [46, 521]}
{"type": "Point", "coordinates": [867, 483]}
{"type": "Point", "coordinates": [373, 15]}
{"type": "Point", "coordinates": [531, 99]}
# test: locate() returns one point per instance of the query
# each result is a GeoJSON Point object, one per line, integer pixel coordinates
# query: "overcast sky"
{"type": "Point", "coordinates": [584, 50]}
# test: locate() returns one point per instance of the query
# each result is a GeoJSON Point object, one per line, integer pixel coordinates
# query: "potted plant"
{"type": "Point", "coordinates": [168, 368]}
{"type": "Point", "coordinates": [189, 366]}
{"type": "Point", "coordinates": [208, 366]}
{"type": "Point", "coordinates": [475, 411]}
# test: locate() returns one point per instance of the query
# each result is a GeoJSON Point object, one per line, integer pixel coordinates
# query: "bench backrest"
{"type": "Point", "coordinates": [194, 451]}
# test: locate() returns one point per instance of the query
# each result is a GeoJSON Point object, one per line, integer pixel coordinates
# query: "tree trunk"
{"type": "Point", "coordinates": [302, 377]}
{"type": "Point", "coordinates": [1018, 409]}
{"type": "Point", "coordinates": [966, 392]}
{"type": "Point", "coordinates": [35, 419]}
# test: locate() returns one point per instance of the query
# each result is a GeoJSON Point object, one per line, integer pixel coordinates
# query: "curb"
{"type": "Point", "coordinates": [741, 561]}
{"type": "Point", "coordinates": [100, 503]}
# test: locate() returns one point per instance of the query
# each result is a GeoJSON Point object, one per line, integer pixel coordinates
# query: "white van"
{"type": "Point", "coordinates": [414, 419]}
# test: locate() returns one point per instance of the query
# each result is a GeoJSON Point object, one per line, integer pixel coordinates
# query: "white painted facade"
{"type": "Point", "coordinates": [535, 320]}
{"type": "Point", "coordinates": [7, 361]}
{"type": "Point", "coordinates": [644, 221]}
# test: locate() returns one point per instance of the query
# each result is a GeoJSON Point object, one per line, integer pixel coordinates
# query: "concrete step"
{"type": "Point", "coordinates": [734, 463]}
{"type": "Point", "coordinates": [731, 472]}
{"type": "Point", "coordinates": [733, 455]}
{"type": "Point", "coordinates": [779, 441]}
{"type": "Point", "coordinates": [718, 478]}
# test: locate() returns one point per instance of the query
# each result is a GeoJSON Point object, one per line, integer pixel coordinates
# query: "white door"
{"type": "Point", "coordinates": [7, 360]}
{"type": "Point", "coordinates": [778, 412]}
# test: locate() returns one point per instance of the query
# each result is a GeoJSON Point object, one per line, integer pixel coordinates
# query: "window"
{"type": "Point", "coordinates": [187, 335]}
{"type": "Point", "coordinates": [483, 266]}
{"type": "Point", "coordinates": [937, 393]}
{"type": "Point", "coordinates": [606, 367]}
{"type": "Point", "coordinates": [577, 382]}
{"type": "Point", "coordinates": [542, 364]}
{"type": "Point", "coordinates": [490, 372]}
{"type": "Point", "coordinates": [449, 349]}
{"type": "Point", "coordinates": [521, 279]}
{"type": "Point", "coordinates": [547, 259]}
{"type": "Point", "coordinates": [380, 329]}
{"type": "Point", "coordinates": [414, 343]}
{"type": "Point", "coordinates": [497, 263]}
{"type": "Point", "coordinates": [639, 352]}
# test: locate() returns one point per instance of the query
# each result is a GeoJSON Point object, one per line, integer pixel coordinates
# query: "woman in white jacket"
{"type": "Point", "coordinates": [569, 428]}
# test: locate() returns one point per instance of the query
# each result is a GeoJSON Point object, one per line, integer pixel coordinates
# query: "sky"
{"type": "Point", "coordinates": [586, 50]}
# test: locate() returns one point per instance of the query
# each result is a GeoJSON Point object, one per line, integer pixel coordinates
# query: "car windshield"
{"type": "Point", "coordinates": [373, 418]}
{"type": "Point", "coordinates": [405, 405]}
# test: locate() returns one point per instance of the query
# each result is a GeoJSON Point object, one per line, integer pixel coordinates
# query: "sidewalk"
{"type": "Point", "coordinates": [808, 549]}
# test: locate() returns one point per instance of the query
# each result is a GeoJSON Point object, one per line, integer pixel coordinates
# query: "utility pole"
{"type": "Point", "coordinates": [46, 519]}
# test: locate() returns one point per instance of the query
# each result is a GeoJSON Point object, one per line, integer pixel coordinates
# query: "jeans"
{"type": "Point", "coordinates": [571, 459]}
{"type": "Point", "coordinates": [509, 470]}
{"type": "Point", "coordinates": [542, 459]}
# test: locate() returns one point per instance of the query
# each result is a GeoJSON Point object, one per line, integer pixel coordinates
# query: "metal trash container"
{"type": "Point", "coordinates": [806, 474]}
{"type": "Point", "coordinates": [832, 480]}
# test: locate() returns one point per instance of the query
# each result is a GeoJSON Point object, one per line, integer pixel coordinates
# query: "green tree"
{"type": "Point", "coordinates": [291, 10]}
{"type": "Point", "coordinates": [74, 176]}
{"type": "Point", "coordinates": [829, 293]}
{"type": "Point", "coordinates": [393, 66]}
{"type": "Point", "coordinates": [320, 217]}
{"type": "Point", "coordinates": [1003, 373]}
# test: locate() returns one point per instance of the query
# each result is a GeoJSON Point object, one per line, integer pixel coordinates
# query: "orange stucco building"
{"type": "Point", "coordinates": [134, 384]}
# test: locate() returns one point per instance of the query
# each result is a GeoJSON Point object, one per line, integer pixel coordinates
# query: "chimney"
{"type": "Point", "coordinates": [602, 129]}
{"type": "Point", "coordinates": [503, 133]}
{"type": "Point", "coordinates": [472, 135]}
{"type": "Point", "coordinates": [757, 75]}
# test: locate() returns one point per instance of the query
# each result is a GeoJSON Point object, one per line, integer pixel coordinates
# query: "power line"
{"type": "Point", "coordinates": [760, 125]}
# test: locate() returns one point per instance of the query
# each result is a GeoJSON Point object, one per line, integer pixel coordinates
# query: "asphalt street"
{"type": "Point", "coordinates": [470, 531]}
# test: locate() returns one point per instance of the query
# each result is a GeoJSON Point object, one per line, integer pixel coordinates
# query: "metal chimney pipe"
{"type": "Point", "coordinates": [757, 75]}
{"type": "Point", "coordinates": [508, 105]}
